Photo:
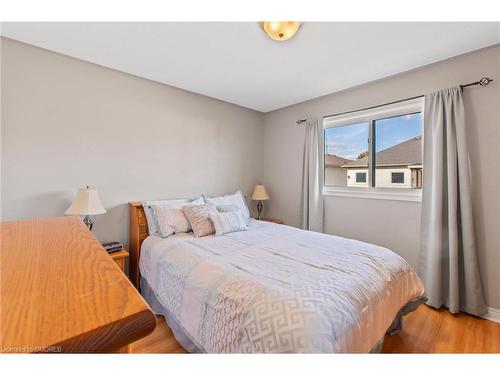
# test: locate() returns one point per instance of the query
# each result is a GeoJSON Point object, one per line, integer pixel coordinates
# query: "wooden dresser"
{"type": "Point", "coordinates": [61, 291]}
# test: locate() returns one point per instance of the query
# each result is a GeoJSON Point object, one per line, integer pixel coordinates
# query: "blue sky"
{"type": "Point", "coordinates": [351, 140]}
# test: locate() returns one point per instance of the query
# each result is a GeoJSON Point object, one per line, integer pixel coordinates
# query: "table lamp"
{"type": "Point", "coordinates": [260, 194]}
{"type": "Point", "coordinates": [86, 203]}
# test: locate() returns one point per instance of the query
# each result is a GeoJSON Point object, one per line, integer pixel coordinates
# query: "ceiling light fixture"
{"type": "Point", "coordinates": [280, 30]}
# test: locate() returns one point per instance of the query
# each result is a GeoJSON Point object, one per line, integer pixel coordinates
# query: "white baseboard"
{"type": "Point", "coordinates": [492, 314]}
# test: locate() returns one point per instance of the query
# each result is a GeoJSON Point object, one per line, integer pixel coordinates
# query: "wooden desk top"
{"type": "Point", "coordinates": [61, 291]}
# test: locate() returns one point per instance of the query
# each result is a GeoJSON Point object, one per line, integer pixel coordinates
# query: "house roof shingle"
{"type": "Point", "coordinates": [335, 161]}
{"type": "Point", "coordinates": [404, 153]}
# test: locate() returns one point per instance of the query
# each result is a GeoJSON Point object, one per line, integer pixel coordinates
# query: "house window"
{"type": "Point", "coordinates": [398, 177]}
{"type": "Point", "coordinates": [361, 177]}
{"type": "Point", "coordinates": [343, 144]}
{"type": "Point", "coordinates": [398, 147]}
{"type": "Point", "coordinates": [376, 151]}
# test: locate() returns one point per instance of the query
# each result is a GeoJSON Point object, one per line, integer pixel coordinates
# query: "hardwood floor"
{"type": "Point", "coordinates": [161, 340]}
{"type": "Point", "coordinates": [437, 331]}
{"type": "Point", "coordinates": [424, 331]}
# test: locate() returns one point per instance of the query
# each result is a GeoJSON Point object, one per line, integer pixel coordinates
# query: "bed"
{"type": "Point", "coordinates": [272, 289]}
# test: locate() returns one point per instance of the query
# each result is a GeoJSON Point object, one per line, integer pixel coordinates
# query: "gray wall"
{"type": "Point", "coordinates": [67, 123]}
{"type": "Point", "coordinates": [395, 224]}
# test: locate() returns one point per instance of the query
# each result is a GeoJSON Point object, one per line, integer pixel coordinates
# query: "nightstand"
{"type": "Point", "coordinates": [271, 220]}
{"type": "Point", "coordinates": [119, 257]}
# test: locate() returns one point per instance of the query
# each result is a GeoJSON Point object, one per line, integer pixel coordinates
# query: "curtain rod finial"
{"type": "Point", "coordinates": [485, 81]}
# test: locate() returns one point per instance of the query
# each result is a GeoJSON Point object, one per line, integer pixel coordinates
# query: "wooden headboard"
{"type": "Point", "coordinates": [138, 232]}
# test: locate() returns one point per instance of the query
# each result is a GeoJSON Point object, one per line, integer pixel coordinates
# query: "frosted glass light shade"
{"type": "Point", "coordinates": [86, 202]}
{"type": "Point", "coordinates": [281, 30]}
{"type": "Point", "coordinates": [260, 193]}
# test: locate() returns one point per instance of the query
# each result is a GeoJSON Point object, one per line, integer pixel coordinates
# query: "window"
{"type": "Point", "coordinates": [342, 145]}
{"type": "Point", "coordinates": [398, 145]}
{"type": "Point", "coordinates": [375, 152]}
{"type": "Point", "coordinates": [398, 178]}
{"type": "Point", "coordinates": [361, 177]}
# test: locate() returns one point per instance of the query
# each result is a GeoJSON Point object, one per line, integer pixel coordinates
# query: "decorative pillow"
{"type": "Point", "coordinates": [227, 222]}
{"type": "Point", "coordinates": [176, 203]}
{"type": "Point", "coordinates": [199, 217]}
{"type": "Point", "coordinates": [236, 199]}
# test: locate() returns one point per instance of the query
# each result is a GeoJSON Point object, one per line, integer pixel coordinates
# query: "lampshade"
{"type": "Point", "coordinates": [280, 30]}
{"type": "Point", "coordinates": [86, 202]}
{"type": "Point", "coordinates": [260, 193]}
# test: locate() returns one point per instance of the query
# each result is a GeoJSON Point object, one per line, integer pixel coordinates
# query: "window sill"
{"type": "Point", "coordinates": [394, 194]}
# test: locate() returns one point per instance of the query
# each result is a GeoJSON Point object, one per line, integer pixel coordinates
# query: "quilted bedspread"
{"type": "Point", "coordinates": [278, 289]}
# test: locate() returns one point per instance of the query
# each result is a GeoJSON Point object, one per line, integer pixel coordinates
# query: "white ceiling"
{"type": "Point", "coordinates": [237, 63]}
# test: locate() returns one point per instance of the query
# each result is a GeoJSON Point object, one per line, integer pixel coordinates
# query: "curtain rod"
{"type": "Point", "coordinates": [482, 82]}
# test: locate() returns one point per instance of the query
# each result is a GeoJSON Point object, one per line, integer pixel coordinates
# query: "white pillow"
{"type": "Point", "coordinates": [227, 222]}
{"type": "Point", "coordinates": [170, 219]}
{"type": "Point", "coordinates": [228, 208]}
{"type": "Point", "coordinates": [164, 217]}
{"type": "Point", "coordinates": [175, 203]}
{"type": "Point", "coordinates": [236, 199]}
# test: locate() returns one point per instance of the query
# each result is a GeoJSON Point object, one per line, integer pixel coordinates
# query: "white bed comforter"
{"type": "Point", "coordinates": [278, 289]}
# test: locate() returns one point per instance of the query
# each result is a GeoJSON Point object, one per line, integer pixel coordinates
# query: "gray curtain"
{"type": "Point", "coordinates": [448, 260]}
{"type": "Point", "coordinates": [312, 176]}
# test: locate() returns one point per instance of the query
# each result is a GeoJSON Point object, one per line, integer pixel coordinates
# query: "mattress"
{"type": "Point", "coordinates": [278, 289]}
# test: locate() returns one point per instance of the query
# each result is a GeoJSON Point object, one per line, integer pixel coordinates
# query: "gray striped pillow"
{"type": "Point", "coordinates": [237, 199]}
{"type": "Point", "coordinates": [227, 222]}
{"type": "Point", "coordinates": [199, 217]}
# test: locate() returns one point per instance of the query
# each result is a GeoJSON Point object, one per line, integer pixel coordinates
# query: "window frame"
{"type": "Point", "coordinates": [399, 174]}
{"type": "Point", "coordinates": [370, 116]}
{"type": "Point", "coordinates": [365, 178]}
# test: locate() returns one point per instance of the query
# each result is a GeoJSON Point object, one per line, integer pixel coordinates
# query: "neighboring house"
{"type": "Point", "coordinates": [335, 175]}
{"type": "Point", "coordinates": [398, 166]}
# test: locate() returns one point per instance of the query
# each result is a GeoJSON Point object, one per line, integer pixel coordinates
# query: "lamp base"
{"type": "Point", "coordinates": [260, 206]}
{"type": "Point", "coordinates": [87, 220]}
